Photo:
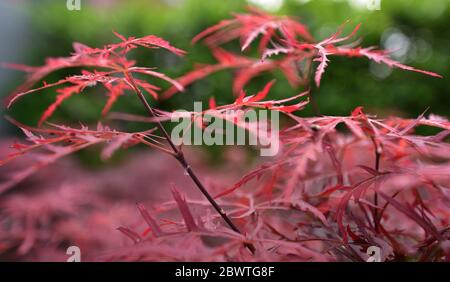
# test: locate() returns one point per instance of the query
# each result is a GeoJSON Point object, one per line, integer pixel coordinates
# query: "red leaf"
{"type": "Point", "coordinates": [263, 93]}
{"type": "Point", "coordinates": [192, 76]}
{"type": "Point", "coordinates": [380, 56]}
{"type": "Point", "coordinates": [212, 29]}
{"type": "Point", "coordinates": [64, 93]}
{"type": "Point", "coordinates": [409, 212]}
{"type": "Point", "coordinates": [184, 209]}
{"type": "Point", "coordinates": [149, 41]}
{"type": "Point", "coordinates": [150, 221]}
{"type": "Point", "coordinates": [323, 63]}
{"type": "Point", "coordinates": [212, 103]}
{"type": "Point", "coordinates": [240, 99]}
{"type": "Point", "coordinates": [130, 234]}
{"type": "Point", "coordinates": [114, 92]}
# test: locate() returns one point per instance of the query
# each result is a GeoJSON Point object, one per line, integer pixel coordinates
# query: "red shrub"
{"type": "Point", "coordinates": [338, 186]}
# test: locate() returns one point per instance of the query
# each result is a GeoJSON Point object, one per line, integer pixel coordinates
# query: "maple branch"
{"type": "Point", "coordinates": [376, 216]}
{"type": "Point", "coordinates": [178, 154]}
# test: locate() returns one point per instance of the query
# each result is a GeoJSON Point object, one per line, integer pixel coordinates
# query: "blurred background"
{"type": "Point", "coordinates": [416, 29]}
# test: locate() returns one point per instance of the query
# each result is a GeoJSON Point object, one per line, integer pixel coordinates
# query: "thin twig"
{"type": "Point", "coordinates": [178, 154]}
{"type": "Point", "coordinates": [375, 197]}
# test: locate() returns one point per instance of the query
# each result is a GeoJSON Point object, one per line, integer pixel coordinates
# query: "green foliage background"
{"type": "Point", "coordinates": [346, 84]}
